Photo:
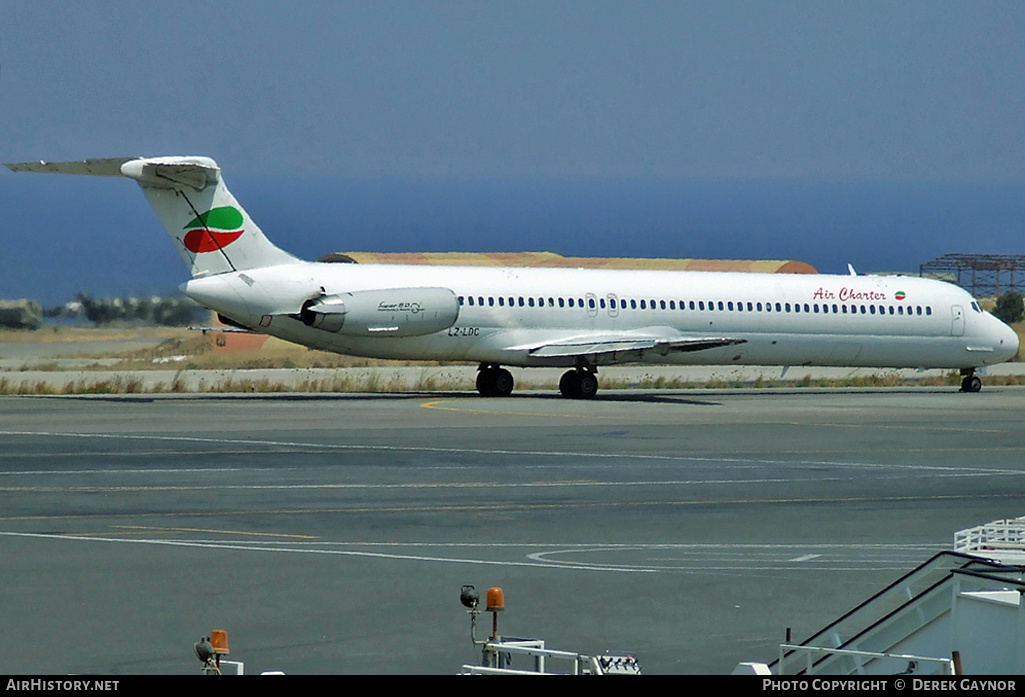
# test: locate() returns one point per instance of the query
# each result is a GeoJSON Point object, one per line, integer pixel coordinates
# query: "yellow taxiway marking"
{"type": "Point", "coordinates": [143, 528]}
{"type": "Point", "coordinates": [439, 405]}
{"type": "Point", "coordinates": [523, 507]}
{"type": "Point", "coordinates": [436, 405]}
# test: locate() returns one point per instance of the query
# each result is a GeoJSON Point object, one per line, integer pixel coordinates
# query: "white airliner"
{"type": "Point", "coordinates": [575, 318]}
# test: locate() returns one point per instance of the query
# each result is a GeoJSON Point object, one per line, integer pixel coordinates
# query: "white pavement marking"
{"type": "Point", "coordinates": [739, 461]}
{"type": "Point", "coordinates": [339, 552]}
{"type": "Point", "coordinates": [731, 557]}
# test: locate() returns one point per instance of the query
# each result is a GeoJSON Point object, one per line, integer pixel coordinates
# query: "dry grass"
{"type": "Point", "coordinates": [70, 334]}
{"type": "Point", "coordinates": [130, 384]}
{"type": "Point", "coordinates": [196, 352]}
{"type": "Point", "coordinates": [121, 384]}
{"type": "Point", "coordinates": [378, 382]}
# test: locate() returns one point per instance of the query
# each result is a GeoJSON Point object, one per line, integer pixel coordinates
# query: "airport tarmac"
{"type": "Point", "coordinates": [332, 533]}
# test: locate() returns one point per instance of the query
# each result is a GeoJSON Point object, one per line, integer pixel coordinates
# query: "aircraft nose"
{"type": "Point", "coordinates": [1006, 342]}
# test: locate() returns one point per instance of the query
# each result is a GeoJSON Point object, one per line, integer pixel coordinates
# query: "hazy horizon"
{"type": "Point", "coordinates": [99, 235]}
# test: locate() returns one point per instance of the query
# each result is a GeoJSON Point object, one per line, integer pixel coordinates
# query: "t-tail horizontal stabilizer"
{"type": "Point", "coordinates": [211, 231]}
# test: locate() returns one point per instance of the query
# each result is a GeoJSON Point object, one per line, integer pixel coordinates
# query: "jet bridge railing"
{"type": "Point", "coordinates": [999, 539]}
{"type": "Point", "coordinates": [867, 629]}
{"type": "Point", "coordinates": [898, 663]}
{"type": "Point", "coordinates": [498, 655]}
{"type": "Point", "coordinates": [919, 585]}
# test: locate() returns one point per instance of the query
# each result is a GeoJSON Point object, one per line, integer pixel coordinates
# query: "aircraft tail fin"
{"type": "Point", "coordinates": [210, 230]}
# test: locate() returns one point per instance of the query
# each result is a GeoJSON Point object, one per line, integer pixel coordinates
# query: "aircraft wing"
{"type": "Point", "coordinates": [627, 347]}
{"type": "Point", "coordinates": [220, 328]}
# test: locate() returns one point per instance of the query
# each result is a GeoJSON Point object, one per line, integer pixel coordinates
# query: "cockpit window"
{"type": "Point", "coordinates": [975, 306]}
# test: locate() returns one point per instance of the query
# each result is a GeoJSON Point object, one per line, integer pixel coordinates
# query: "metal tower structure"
{"type": "Point", "coordinates": [982, 275]}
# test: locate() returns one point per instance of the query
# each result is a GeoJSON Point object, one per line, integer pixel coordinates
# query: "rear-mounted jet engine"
{"type": "Point", "coordinates": [390, 312]}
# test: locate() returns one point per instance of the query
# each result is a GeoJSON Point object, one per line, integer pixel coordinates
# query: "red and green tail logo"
{"type": "Point", "coordinates": [215, 229]}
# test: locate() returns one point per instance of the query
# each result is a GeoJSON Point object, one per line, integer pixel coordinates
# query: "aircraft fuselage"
{"type": "Point", "coordinates": [783, 319]}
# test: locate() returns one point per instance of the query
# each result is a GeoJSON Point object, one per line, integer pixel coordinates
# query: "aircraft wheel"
{"type": "Point", "coordinates": [502, 383]}
{"type": "Point", "coordinates": [578, 384]}
{"type": "Point", "coordinates": [971, 383]}
{"type": "Point", "coordinates": [587, 385]}
{"type": "Point", "coordinates": [569, 386]}
{"type": "Point", "coordinates": [486, 382]}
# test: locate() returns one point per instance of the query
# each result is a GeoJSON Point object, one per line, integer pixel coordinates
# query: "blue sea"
{"type": "Point", "coordinates": [65, 235]}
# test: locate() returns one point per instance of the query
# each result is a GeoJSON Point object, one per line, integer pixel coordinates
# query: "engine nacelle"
{"type": "Point", "coordinates": [392, 312]}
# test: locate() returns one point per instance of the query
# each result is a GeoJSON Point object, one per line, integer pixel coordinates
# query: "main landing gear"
{"type": "Point", "coordinates": [581, 383]}
{"type": "Point", "coordinates": [970, 382]}
{"type": "Point", "coordinates": [493, 381]}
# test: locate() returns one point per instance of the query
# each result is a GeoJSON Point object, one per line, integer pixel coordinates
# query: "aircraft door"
{"type": "Point", "coordinates": [613, 305]}
{"type": "Point", "coordinates": [957, 320]}
{"type": "Point", "coordinates": [592, 305]}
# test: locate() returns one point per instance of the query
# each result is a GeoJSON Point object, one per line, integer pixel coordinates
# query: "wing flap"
{"type": "Point", "coordinates": [629, 345]}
